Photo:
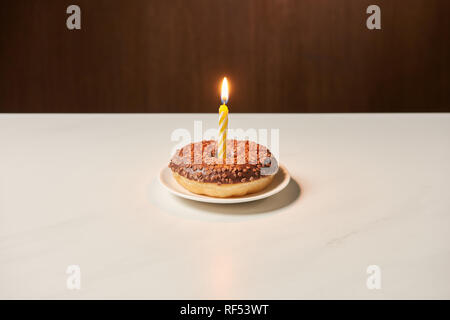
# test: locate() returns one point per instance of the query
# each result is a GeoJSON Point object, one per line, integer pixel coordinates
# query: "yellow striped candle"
{"type": "Point", "coordinates": [223, 122]}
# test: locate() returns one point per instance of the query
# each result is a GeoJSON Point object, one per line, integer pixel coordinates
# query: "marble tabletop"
{"type": "Point", "coordinates": [368, 192]}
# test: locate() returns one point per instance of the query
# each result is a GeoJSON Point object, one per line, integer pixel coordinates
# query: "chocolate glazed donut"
{"type": "Point", "coordinates": [248, 168]}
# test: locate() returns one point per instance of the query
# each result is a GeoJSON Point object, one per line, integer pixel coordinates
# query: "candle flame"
{"type": "Point", "coordinates": [224, 95]}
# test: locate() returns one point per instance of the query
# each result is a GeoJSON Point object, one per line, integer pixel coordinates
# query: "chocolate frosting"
{"type": "Point", "coordinates": [246, 161]}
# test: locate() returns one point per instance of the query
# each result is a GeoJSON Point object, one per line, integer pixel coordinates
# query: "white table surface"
{"type": "Point", "coordinates": [368, 189]}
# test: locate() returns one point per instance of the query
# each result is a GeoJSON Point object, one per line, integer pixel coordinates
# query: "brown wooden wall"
{"type": "Point", "coordinates": [170, 56]}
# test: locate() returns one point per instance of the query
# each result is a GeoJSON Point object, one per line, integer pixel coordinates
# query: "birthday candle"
{"type": "Point", "coordinates": [223, 122]}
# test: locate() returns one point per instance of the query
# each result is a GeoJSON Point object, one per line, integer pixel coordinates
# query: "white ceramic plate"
{"type": "Point", "coordinates": [279, 182]}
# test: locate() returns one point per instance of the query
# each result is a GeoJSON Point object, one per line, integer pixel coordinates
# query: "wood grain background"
{"type": "Point", "coordinates": [170, 56]}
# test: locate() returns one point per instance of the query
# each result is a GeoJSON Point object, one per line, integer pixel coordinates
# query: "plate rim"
{"type": "Point", "coordinates": [207, 199]}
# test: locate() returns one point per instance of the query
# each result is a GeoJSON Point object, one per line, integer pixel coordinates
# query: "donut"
{"type": "Point", "coordinates": [248, 168]}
